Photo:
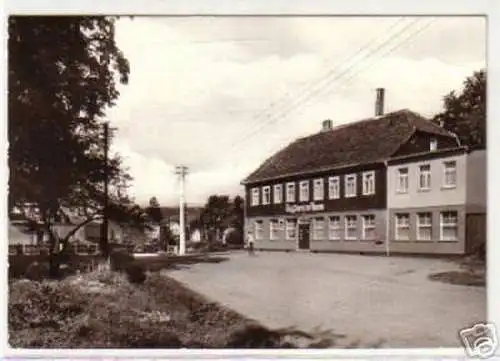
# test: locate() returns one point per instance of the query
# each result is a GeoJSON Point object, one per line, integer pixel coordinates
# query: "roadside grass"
{"type": "Point", "coordinates": [472, 272]}
{"type": "Point", "coordinates": [104, 310]}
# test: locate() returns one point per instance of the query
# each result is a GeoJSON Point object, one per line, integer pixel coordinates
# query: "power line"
{"type": "Point", "coordinates": [391, 50]}
{"type": "Point", "coordinates": [320, 79]}
{"type": "Point", "coordinates": [301, 100]}
{"type": "Point", "coordinates": [327, 85]}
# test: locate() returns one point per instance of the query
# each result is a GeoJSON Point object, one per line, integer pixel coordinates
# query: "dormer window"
{"type": "Point", "coordinates": [433, 144]}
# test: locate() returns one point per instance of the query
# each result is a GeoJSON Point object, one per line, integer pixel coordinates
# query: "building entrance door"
{"type": "Point", "coordinates": [304, 239]}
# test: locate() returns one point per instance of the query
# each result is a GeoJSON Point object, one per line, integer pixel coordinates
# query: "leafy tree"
{"type": "Point", "coordinates": [465, 113]}
{"type": "Point", "coordinates": [220, 212]}
{"type": "Point", "coordinates": [155, 216]}
{"type": "Point", "coordinates": [237, 219]}
{"type": "Point", "coordinates": [62, 77]}
{"type": "Point", "coordinates": [238, 212]}
{"type": "Point", "coordinates": [154, 211]}
{"type": "Point", "coordinates": [215, 215]}
{"type": "Point", "coordinates": [153, 202]}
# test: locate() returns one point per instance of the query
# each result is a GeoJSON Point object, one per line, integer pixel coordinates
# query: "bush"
{"type": "Point", "coordinates": [481, 252]}
{"type": "Point", "coordinates": [120, 260]}
{"type": "Point", "coordinates": [254, 336]}
{"type": "Point", "coordinates": [161, 313]}
{"type": "Point", "coordinates": [37, 271]}
{"type": "Point", "coordinates": [46, 304]}
{"type": "Point", "coordinates": [135, 334]}
{"type": "Point", "coordinates": [135, 274]}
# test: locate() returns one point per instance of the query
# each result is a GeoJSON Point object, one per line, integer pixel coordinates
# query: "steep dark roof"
{"type": "Point", "coordinates": [362, 142]}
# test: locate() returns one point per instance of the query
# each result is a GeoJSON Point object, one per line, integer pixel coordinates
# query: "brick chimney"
{"type": "Point", "coordinates": [379, 102]}
{"type": "Point", "coordinates": [326, 125]}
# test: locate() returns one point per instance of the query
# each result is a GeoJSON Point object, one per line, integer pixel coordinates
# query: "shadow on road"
{"type": "Point", "coordinates": [183, 263]}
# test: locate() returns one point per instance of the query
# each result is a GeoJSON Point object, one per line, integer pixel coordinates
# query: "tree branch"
{"type": "Point", "coordinates": [80, 225]}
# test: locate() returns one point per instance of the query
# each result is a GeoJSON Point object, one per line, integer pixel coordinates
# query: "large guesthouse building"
{"type": "Point", "coordinates": [335, 190]}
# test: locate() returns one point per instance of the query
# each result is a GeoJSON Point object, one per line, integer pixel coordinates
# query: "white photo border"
{"type": "Point", "coordinates": [490, 9]}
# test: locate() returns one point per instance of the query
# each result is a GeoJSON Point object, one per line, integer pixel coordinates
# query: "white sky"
{"type": "Point", "coordinates": [199, 86]}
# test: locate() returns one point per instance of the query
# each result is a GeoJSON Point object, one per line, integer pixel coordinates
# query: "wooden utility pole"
{"type": "Point", "coordinates": [182, 171]}
{"type": "Point", "coordinates": [104, 229]}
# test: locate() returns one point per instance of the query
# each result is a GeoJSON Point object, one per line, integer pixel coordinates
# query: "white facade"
{"type": "Point", "coordinates": [425, 183]}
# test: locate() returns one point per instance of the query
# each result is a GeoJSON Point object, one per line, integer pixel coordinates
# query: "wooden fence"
{"type": "Point", "coordinates": [33, 250]}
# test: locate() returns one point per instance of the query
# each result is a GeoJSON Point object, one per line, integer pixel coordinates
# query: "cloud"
{"type": "Point", "coordinates": [221, 107]}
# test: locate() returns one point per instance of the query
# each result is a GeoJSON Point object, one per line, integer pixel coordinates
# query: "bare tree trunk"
{"type": "Point", "coordinates": [59, 247]}
{"type": "Point", "coordinates": [54, 258]}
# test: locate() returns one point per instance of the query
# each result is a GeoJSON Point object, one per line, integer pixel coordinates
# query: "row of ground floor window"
{"type": "Point", "coordinates": [420, 230]}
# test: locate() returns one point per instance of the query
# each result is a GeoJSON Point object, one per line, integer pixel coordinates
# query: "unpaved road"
{"type": "Point", "coordinates": [359, 301]}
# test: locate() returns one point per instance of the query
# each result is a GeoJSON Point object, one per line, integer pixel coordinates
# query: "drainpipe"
{"type": "Point", "coordinates": [388, 215]}
{"type": "Point", "coordinates": [245, 222]}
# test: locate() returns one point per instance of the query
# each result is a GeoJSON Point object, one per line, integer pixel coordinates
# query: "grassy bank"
{"type": "Point", "coordinates": [104, 310]}
{"type": "Point", "coordinates": [472, 271]}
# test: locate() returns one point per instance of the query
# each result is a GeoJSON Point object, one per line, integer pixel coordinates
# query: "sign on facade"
{"type": "Point", "coordinates": [298, 208]}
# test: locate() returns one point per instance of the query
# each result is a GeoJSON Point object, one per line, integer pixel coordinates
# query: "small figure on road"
{"type": "Point", "coordinates": [250, 244]}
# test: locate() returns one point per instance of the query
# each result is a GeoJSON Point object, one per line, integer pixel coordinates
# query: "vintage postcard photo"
{"type": "Point", "coordinates": [247, 182]}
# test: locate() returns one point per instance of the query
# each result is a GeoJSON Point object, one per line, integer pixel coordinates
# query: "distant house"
{"type": "Point", "coordinates": [19, 234]}
{"type": "Point", "coordinates": [28, 222]}
{"type": "Point", "coordinates": [92, 232]}
{"type": "Point", "coordinates": [22, 232]}
{"type": "Point", "coordinates": [66, 221]}
{"type": "Point", "coordinates": [171, 217]}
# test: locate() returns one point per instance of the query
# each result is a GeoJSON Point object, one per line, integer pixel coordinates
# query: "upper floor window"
{"type": "Point", "coordinates": [424, 177]}
{"type": "Point", "coordinates": [304, 191]}
{"type": "Point", "coordinates": [266, 195]}
{"type": "Point", "coordinates": [350, 185]}
{"type": "Point", "coordinates": [333, 187]}
{"type": "Point", "coordinates": [255, 196]}
{"type": "Point", "coordinates": [368, 183]}
{"type": "Point", "coordinates": [433, 144]}
{"type": "Point", "coordinates": [278, 193]}
{"type": "Point", "coordinates": [290, 192]}
{"type": "Point", "coordinates": [402, 180]}
{"type": "Point", "coordinates": [318, 189]}
{"type": "Point", "coordinates": [450, 174]}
